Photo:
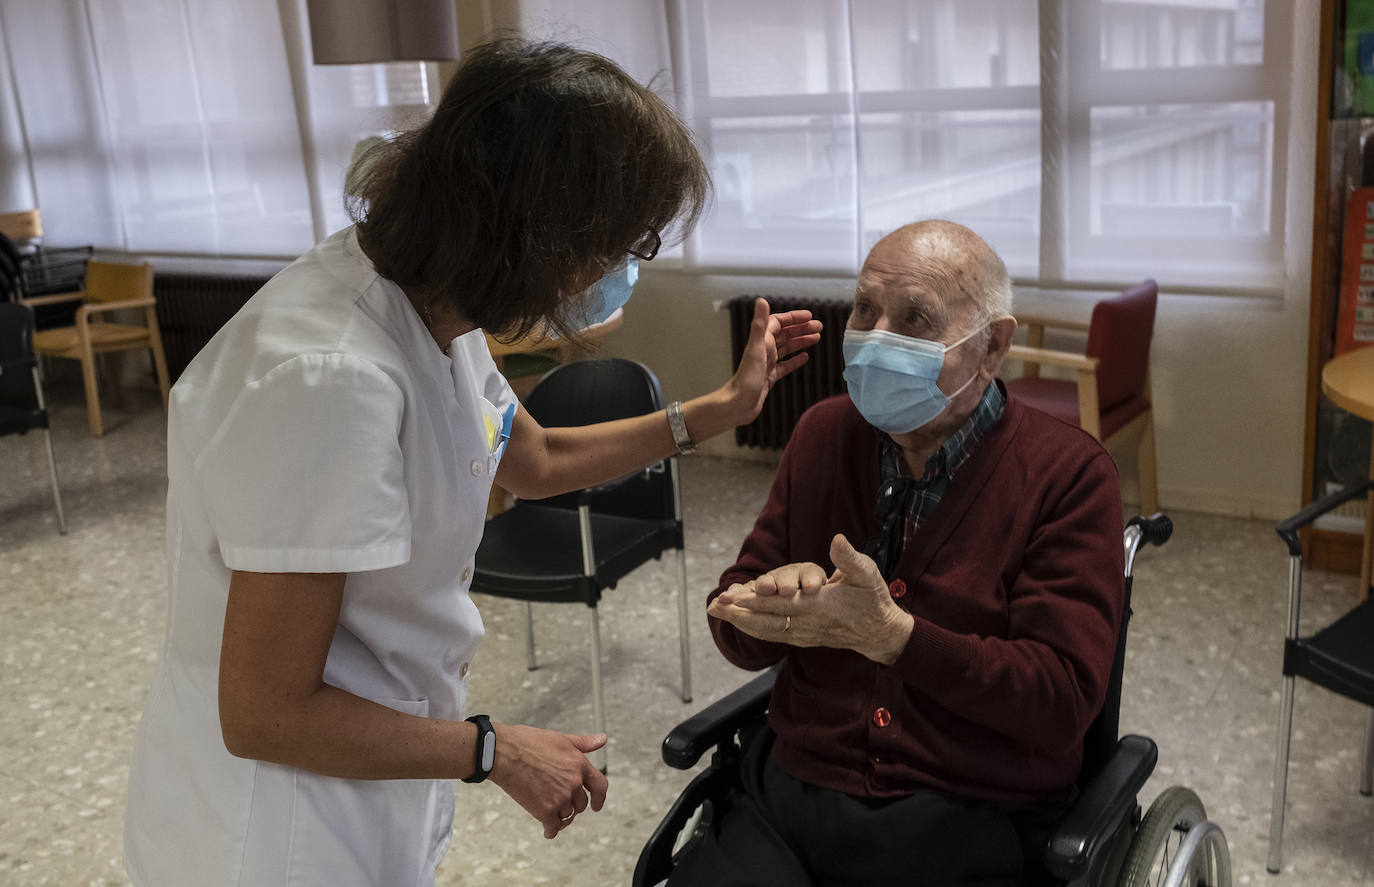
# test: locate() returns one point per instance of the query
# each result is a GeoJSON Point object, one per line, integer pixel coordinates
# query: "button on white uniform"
{"type": "Point", "coordinates": [476, 468]}
{"type": "Point", "coordinates": [463, 670]}
{"type": "Point", "coordinates": [467, 571]}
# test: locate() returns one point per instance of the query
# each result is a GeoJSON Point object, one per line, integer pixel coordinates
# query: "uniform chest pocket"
{"type": "Point", "coordinates": [496, 429]}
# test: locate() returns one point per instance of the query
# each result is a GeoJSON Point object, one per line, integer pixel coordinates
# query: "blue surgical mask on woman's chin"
{"type": "Point", "coordinates": [892, 378]}
{"type": "Point", "coordinates": [611, 292]}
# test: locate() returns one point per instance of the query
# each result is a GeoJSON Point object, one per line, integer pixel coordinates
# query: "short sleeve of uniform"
{"type": "Point", "coordinates": [478, 365]}
{"type": "Point", "coordinates": [305, 473]}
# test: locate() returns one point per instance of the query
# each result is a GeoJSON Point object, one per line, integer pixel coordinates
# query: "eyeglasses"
{"type": "Point", "coordinates": [894, 498]}
{"type": "Point", "coordinates": [647, 248]}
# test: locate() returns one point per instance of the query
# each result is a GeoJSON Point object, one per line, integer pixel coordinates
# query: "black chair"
{"type": "Point", "coordinates": [21, 394]}
{"type": "Point", "coordinates": [1340, 657]}
{"type": "Point", "coordinates": [1102, 840]}
{"type": "Point", "coordinates": [569, 548]}
{"type": "Point", "coordinates": [42, 276]}
{"type": "Point", "coordinates": [10, 276]}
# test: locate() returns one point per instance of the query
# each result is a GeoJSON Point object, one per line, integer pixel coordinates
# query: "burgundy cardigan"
{"type": "Point", "coordinates": [1015, 583]}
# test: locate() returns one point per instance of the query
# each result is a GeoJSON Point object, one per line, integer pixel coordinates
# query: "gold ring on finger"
{"type": "Point", "coordinates": [787, 625]}
{"type": "Point", "coordinates": [568, 818]}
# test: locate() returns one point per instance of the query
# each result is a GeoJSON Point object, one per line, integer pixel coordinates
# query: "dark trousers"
{"type": "Point", "coordinates": [784, 832]}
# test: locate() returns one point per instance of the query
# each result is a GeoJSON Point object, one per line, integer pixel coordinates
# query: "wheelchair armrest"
{"type": "Point", "coordinates": [1109, 797]}
{"type": "Point", "coordinates": [656, 859]}
{"type": "Point", "coordinates": [716, 723]}
{"type": "Point", "coordinates": [1288, 529]}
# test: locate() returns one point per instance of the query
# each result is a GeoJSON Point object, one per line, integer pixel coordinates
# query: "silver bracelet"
{"type": "Point", "coordinates": [678, 424]}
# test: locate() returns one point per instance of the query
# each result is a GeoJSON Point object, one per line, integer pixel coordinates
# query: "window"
{"type": "Point", "coordinates": [192, 126]}
{"type": "Point", "coordinates": [1090, 140]}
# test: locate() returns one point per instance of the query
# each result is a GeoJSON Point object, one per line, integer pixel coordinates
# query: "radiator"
{"type": "Point", "coordinates": [822, 377]}
{"type": "Point", "coordinates": [192, 307]}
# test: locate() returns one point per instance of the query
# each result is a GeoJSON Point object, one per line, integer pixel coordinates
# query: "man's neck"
{"type": "Point", "coordinates": [918, 446]}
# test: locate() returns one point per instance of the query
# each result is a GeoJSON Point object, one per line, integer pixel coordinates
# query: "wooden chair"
{"type": "Point", "coordinates": [22, 227]}
{"type": "Point", "coordinates": [1109, 396]}
{"type": "Point", "coordinates": [108, 287]}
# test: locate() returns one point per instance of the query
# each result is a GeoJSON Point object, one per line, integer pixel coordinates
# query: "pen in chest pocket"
{"type": "Point", "coordinates": [498, 431]}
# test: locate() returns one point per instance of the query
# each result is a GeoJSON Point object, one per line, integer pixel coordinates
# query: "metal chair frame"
{"type": "Point", "coordinates": [489, 581]}
{"type": "Point", "coordinates": [1308, 657]}
{"type": "Point", "coordinates": [584, 524]}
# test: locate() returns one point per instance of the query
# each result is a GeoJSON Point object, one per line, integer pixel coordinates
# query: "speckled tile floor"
{"type": "Point", "coordinates": [82, 618]}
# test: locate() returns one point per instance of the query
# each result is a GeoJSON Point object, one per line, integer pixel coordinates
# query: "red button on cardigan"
{"type": "Point", "coordinates": [898, 588]}
{"type": "Point", "coordinates": [882, 717]}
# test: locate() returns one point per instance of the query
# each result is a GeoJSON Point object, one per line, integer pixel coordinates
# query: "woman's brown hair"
{"type": "Point", "coordinates": [540, 162]}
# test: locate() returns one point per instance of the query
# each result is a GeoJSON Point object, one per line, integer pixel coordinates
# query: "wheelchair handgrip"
{"type": "Point", "coordinates": [1288, 529]}
{"type": "Point", "coordinates": [1108, 799]}
{"type": "Point", "coordinates": [717, 723]}
{"type": "Point", "coordinates": [1155, 529]}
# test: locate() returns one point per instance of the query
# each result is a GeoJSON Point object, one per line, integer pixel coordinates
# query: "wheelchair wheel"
{"type": "Point", "coordinates": [1159, 838]}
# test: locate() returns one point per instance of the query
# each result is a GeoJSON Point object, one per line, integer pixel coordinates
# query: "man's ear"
{"type": "Point", "coordinates": [999, 341]}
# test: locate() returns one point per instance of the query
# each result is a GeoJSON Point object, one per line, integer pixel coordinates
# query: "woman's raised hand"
{"type": "Point", "coordinates": [775, 348]}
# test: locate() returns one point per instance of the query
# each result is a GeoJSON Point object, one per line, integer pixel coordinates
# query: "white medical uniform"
{"type": "Point", "coordinates": [320, 430]}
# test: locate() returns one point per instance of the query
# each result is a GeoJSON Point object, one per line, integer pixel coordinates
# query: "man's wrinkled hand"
{"type": "Point", "coordinates": [853, 610]}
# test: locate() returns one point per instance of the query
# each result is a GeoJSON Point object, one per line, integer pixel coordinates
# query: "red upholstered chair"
{"type": "Point", "coordinates": [1110, 395]}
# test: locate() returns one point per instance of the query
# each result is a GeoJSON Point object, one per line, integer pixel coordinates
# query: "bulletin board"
{"type": "Point", "coordinates": [1355, 317]}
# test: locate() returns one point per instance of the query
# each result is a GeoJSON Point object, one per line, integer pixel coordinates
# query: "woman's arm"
{"type": "Point", "coordinates": [275, 706]}
{"type": "Point", "coordinates": [543, 462]}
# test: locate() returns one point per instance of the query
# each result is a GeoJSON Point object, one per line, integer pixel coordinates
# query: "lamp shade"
{"type": "Point", "coordinates": [352, 32]}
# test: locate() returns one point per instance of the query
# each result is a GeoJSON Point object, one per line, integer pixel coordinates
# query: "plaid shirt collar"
{"type": "Point", "coordinates": [926, 493]}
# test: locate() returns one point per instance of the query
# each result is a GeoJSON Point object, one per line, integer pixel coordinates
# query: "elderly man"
{"type": "Point", "coordinates": [935, 689]}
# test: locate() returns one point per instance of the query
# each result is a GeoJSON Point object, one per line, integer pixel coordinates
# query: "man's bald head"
{"type": "Point", "coordinates": [951, 261]}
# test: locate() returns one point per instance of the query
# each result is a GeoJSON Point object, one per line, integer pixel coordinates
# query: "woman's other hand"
{"type": "Point", "coordinates": [548, 773]}
{"type": "Point", "coordinates": [775, 348]}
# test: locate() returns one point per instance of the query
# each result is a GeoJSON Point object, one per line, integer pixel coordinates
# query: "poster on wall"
{"type": "Point", "coordinates": [1354, 95]}
{"type": "Point", "coordinates": [1355, 318]}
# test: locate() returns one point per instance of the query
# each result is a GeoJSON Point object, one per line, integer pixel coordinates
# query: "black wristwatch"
{"type": "Point", "coordinates": [485, 748]}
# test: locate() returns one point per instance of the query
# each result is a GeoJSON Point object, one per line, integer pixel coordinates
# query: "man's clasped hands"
{"type": "Point", "coordinates": [798, 604]}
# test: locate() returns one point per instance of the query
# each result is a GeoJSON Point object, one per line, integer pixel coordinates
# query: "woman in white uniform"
{"type": "Point", "coordinates": [330, 453]}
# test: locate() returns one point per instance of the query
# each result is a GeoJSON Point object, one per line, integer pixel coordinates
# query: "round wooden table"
{"type": "Point", "coordinates": [1349, 381]}
{"type": "Point", "coordinates": [540, 340]}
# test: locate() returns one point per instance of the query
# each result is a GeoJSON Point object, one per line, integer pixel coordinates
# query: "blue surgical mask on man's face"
{"type": "Point", "coordinates": [612, 291]}
{"type": "Point", "coordinates": [892, 378]}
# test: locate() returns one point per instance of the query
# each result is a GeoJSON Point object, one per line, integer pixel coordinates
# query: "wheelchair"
{"type": "Point", "coordinates": [1101, 841]}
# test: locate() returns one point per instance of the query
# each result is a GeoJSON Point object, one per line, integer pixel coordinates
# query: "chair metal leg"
{"type": "Point", "coordinates": [683, 621]}
{"type": "Point", "coordinates": [598, 701]}
{"type": "Point", "coordinates": [52, 462]}
{"type": "Point", "coordinates": [57, 493]}
{"type": "Point", "coordinates": [1284, 744]}
{"type": "Point", "coordinates": [1367, 771]}
{"type": "Point", "coordinates": [529, 636]}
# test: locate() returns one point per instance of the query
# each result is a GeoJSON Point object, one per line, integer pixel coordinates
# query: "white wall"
{"type": "Point", "coordinates": [1228, 373]}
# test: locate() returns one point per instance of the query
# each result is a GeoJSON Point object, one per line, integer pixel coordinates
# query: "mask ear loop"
{"type": "Point", "coordinates": [948, 348]}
